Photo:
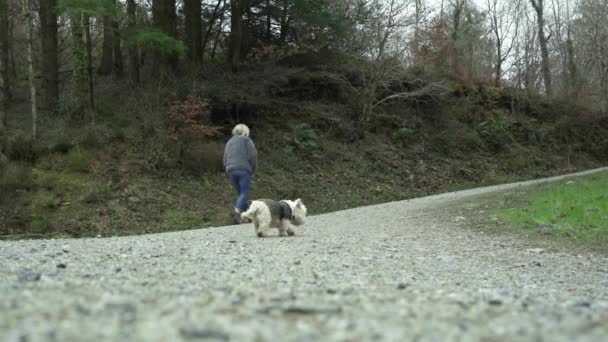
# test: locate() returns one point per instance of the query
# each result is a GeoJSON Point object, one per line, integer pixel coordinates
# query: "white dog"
{"type": "Point", "coordinates": [266, 214]}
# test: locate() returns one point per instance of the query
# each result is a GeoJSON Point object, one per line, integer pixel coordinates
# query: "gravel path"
{"type": "Point", "coordinates": [393, 272]}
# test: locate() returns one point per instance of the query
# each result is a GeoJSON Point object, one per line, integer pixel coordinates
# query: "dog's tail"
{"type": "Point", "coordinates": [251, 212]}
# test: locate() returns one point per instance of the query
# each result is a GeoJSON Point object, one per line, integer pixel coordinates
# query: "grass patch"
{"type": "Point", "coordinates": [78, 160]}
{"type": "Point", "coordinates": [181, 219]}
{"type": "Point", "coordinates": [575, 208]}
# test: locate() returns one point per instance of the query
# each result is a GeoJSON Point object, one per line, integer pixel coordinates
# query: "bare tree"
{"type": "Point", "coordinates": [210, 25]}
{"type": "Point", "coordinates": [284, 21]}
{"type": "Point", "coordinates": [527, 56]}
{"type": "Point", "coordinates": [543, 40]}
{"type": "Point", "coordinates": [591, 37]}
{"type": "Point", "coordinates": [562, 23]}
{"type": "Point", "coordinates": [418, 26]}
{"type": "Point", "coordinates": [504, 24]}
{"type": "Point", "coordinates": [381, 70]}
{"type": "Point", "coordinates": [220, 26]}
{"type": "Point", "coordinates": [455, 34]}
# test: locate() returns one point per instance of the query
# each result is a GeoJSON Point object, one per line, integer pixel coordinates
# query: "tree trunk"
{"type": "Point", "coordinates": [89, 49]}
{"type": "Point", "coordinates": [499, 59]}
{"type": "Point", "coordinates": [604, 83]}
{"type": "Point", "coordinates": [117, 68]}
{"type": "Point", "coordinates": [50, 53]}
{"type": "Point", "coordinates": [544, 48]}
{"type": "Point", "coordinates": [210, 26]}
{"type": "Point", "coordinates": [219, 31]}
{"type": "Point", "coordinates": [133, 49]}
{"type": "Point", "coordinates": [11, 35]}
{"type": "Point", "coordinates": [284, 22]}
{"type": "Point", "coordinates": [5, 79]}
{"type": "Point", "coordinates": [268, 23]}
{"type": "Point", "coordinates": [105, 67]}
{"type": "Point", "coordinates": [3, 113]}
{"type": "Point", "coordinates": [194, 30]}
{"type": "Point", "coordinates": [498, 68]}
{"type": "Point", "coordinates": [418, 18]}
{"type": "Point", "coordinates": [164, 18]}
{"type": "Point", "coordinates": [572, 69]}
{"type": "Point", "coordinates": [455, 55]}
{"type": "Point", "coordinates": [30, 66]}
{"type": "Point", "coordinates": [4, 101]}
{"type": "Point", "coordinates": [495, 27]}
{"type": "Point", "coordinates": [79, 85]}
{"type": "Point", "coordinates": [236, 33]}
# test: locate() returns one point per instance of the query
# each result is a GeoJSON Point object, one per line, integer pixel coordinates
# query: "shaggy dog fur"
{"type": "Point", "coordinates": [266, 214]}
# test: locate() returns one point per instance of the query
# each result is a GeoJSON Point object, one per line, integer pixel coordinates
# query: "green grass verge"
{"type": "Point", "coordinates": [574, 208]}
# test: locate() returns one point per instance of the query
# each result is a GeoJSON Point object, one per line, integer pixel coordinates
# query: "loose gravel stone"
{"type": "Point", "coordinates": [402, 286]}
{"type": "Point", "coordinates": [203, 333]}
{"type": "Point", "coordinates": [28, 276]}
{"type": "Point", "coordinates": [312, 310]}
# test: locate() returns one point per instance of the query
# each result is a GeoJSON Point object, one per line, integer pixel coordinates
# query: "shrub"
{"type": "Point", "coordinates": [15, 176]}
{"type": "Point", "coordinates": [120, 135]}
{"type": "Point", "coordinates": [520, 159]}
{"type": "Point", "coordinates": [304, 137]}
{"type": "Point", "coordinates": [154, 147]}
{"type": "Point", "coordinates": [95, 137]}
{"type": "Point", "coordinates": [157, 154]}
{"type": "Point", "coordinates": [191, 120]}
{"type": "Point", "coordinates": [70, 107]}
{"type": "Point", "coordinates": [496, 130]}
{"type": "Point", "coordinates": [40, 224]}
{"type": "Point", "coordinates": [191, 131]}
{"type": "Point", "coordinates": [3, 142]}
{"type": "Point", "coordinates": [403, 135]}
{"type": "Point", "coordinates": [202, 158]}
{"type": "Point", "coordinates": [457, 137]}
{"type": "Point", "coordinates": [78, 160]}
{"type": "Point", "coordinates": [21, 147]}
{"type": "Point", "coordinates": [63, 144]}
{"type": "Point", "coordinates": [44, 200]}
{"type": "Point", "coordinates": [530, 133]}
{"type": "Point", "coordinates": [3, 162]}
{"type": "Point", "coordinates": [49, 181]}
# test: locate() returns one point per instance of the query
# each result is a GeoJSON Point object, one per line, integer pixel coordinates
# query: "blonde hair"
{"type": "Point", "coordinates": [241, 129]}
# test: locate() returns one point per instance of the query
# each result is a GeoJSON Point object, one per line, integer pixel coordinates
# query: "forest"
{"type": "Point", "coordinates": [113, 114]}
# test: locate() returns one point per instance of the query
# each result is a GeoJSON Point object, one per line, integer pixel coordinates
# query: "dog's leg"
{"type": "Point", "coordinates": [263, 227]}
{"type": "Point", "coordinates": [262, 232]}
{"type": "Point", "coordinates": [256, 226]}
{"type": "Point", "coordinates": [286, 228]}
